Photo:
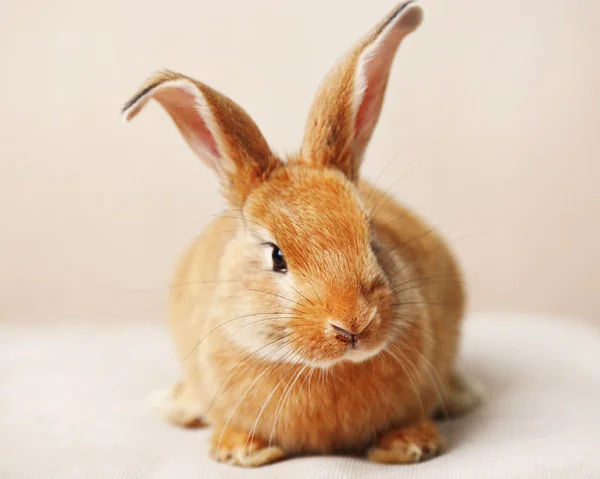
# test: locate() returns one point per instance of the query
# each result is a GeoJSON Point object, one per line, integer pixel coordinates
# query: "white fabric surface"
{"type": "Point", "coordinates": [72, 406]}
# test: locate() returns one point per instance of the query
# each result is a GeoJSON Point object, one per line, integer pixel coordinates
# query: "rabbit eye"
{"type": "Point", "coordinates": [279, 264]}
{"type": "Point", "coordinates": [375, 247]}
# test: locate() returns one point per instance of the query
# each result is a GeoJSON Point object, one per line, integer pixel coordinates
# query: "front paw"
{"type": "Point", "coordinates": [407, 445]}
{"type": "Point", "coordinates": [238, 449]}
{"type": "Point", "coordinates": [177, 405]}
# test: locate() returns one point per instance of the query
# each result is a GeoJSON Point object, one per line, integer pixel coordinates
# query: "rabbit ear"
{"type": "Point", "coordinates": [218, 130]}
{"type": "Point", "coordinates": [347, 106]}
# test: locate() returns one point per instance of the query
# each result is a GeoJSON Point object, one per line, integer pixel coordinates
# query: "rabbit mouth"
{"type": "Point", "coordinates": [355, 353]}
{"type": "Point", "coordinates": [358, 354]}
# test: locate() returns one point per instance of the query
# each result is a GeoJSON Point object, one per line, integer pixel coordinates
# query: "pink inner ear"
{"type": "Point", "coordinates": [206, 137]}
{"type": "Point", "coordinates": [364, 111]}
{"type": "Point", "coordinates": [374, 66]}
{"type": "Point", "coordinates": [183, 108]}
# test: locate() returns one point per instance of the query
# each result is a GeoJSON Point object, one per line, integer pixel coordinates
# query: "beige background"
{"type": "Point", "coordinates": [492, 116]}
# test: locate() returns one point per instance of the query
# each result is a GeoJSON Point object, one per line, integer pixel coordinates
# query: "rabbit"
{"type": "Point", "coordinates": [316, 315]}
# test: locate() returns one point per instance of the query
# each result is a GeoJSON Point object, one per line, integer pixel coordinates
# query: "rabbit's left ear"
{"type": "Point", "coordinates": [217, 129]}
{"type": "Point", "coordinates": [347, 106]}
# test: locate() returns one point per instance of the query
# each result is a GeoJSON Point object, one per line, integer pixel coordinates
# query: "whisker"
{"type": "Point", "coordinates": [385, 193]}
{"type": "Point", "coordinates": [316, 294]}
{"type": "Point", "coordinates": [429, 303]}
{"type": "Point", "coordinates": [430, 369]}
{"type": "Point", "coordinates": [266, 402]}
{"type": "Point", "coordinates": [174, 286]}
{"type": "Point", "coordinates": [277, 295]}
{"type": "Point", "coordinates": [281, 362]}
{"type": "Point", "coordinates": [404, 364]}
{"type": "Point", "coordinates": [238, 364]}
{"type": "Point", "coordinates": [298, 292]}
{"type": "Point", "coordinates": [282, 400]}
{"type": "Point", "coordinates": [230, 210]}
{"type": "Point", "coordinates": [245, 394]}
{"type": "Point", "coordinates": [241, 218]}
{"type": "Point", "coordinates": [439, 246]}
{"type": "Point", "coordinates": [382, 172]}
{"type": "Point", "coordinates": [227, 322]}
{"type": "Point", "coordinates": [424, 281]}
{"type": "Point", "coordinates": [422, 285]}
{"type": "Point", "coordinates": [291, 316]}
{"type": "Point", "coordinates": [310, 380]}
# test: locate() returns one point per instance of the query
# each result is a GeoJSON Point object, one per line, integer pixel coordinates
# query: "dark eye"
{"type": "Point", "coordinates": [375, 247]}
{"type": "Point", "coordinates": [279, 264]}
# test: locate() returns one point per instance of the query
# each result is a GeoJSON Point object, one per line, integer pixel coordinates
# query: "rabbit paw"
{"type": "Point", "coordinates": [178, 406]}
{"type": "Point", "coordinates": [407, 445]}
{"type": "Point", "coordinates": [237, 449]}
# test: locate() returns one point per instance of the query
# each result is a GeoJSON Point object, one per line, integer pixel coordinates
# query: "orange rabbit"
{"type": "Point", "coordinates": [317, 315]}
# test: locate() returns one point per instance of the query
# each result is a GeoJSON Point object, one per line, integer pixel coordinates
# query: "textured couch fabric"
{"type": "Point", "coordinates": [72, 406]}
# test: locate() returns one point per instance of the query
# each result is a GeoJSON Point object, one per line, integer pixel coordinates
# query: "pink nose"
{"type": "Point", "coordinates": [346, 335]}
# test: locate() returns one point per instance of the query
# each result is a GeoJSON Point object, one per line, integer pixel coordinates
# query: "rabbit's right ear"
{"type": "Point", "coordinates": [218, 130]}
{"type": "Point", "coordinates": [347, 106]}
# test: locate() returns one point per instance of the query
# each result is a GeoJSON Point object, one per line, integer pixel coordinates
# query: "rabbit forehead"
{"type": "Point", "coordinates": [316, 216]}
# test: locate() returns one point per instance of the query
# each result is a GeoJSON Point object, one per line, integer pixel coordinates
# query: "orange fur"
{"type": "Point", "coordinates": [406, 445]}
{"type": "Point", "coordinates": [266, 358]}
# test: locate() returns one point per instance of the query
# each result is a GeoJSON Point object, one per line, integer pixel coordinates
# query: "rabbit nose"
{"type": "Point", "coordinates": [346, 334]}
